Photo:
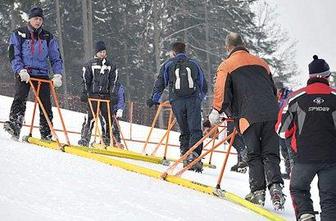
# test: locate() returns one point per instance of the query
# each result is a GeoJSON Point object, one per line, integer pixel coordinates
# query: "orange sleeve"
{"type": "Point", "coordinates": [219, 89]}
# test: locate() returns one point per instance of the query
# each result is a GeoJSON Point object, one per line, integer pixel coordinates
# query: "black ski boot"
{"type": "Point", "coordinates": [257, 197]}
{"type": "Point", "coordinates": [307, 217]}
{"type": "Point", "coordinates": [12, 129]}
{"type": "Point", "coordinates": [83, 142]}
{"type": "Point", "coordinates": [240, 167]}
{"type": "Point", "coordinates": [277, 196]}
{"type": "Point", "coordinates": [46, 137]}
{"type": "Point", "coordinates": [197, 167]}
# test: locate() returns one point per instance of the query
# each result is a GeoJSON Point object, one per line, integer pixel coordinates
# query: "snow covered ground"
{"type": "Point", "coordinates": [42, 184]}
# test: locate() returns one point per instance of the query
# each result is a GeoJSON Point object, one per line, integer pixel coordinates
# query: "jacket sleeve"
{"type": "Point", "coordinates": [87, 79]}
{"type": "Point", "coordinates": [121, 98]}
{"type": "Point", "coordinates": [160, 83]}
{"type": "Point", "coordinates": [114, 79]}
{"type": "Point", "coordinates": [55, 57]}
{"type": "Point", "coordinates": [285, 123]}
{"type": "Point", "coordinates": [14, 52]}
{"type": "Point", "coordinates": [222, 90]}
{"type": "Point", "coordinates": [202, 81]}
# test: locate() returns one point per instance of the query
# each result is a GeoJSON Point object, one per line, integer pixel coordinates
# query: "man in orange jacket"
{"type": "Point", "coordinates": [245, 91]}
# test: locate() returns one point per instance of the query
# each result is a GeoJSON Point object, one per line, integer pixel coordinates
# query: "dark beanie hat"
{"type": "Point", "coordinates": [36, 12]}
{"type": "Point", "coordinates": [319, 68]}
{"type": "Point", "coordinates": [100, 46]}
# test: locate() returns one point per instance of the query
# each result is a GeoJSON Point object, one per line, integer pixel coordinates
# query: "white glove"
{"type": "Point", "coordinates": [119, 113]}
{"type": "Point", "coordinates": [214, 117]}
{"type": "Point", "coordinates": [24, 75]}
{"type": "Point", "coordinates": [57, 80]}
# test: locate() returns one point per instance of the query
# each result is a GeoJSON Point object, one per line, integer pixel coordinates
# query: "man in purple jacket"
{"type": "Point", "coordinates": [31, 48]}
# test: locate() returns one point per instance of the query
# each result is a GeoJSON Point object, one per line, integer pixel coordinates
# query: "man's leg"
{"type": "Point", "coordinates": [251, 139]}
{"type": "Point", "coordinates": [284, 152]}
{"type": "Point", "coordinates": [45, 99]}
{"type": "Point", "coordinates": [194, 119]}
{"type": "Point", "coordinates": [270, 153]}
{"type": "Point", "coordinates": [179, 111]}
{"type": "Point", "coordinates": [18, 108]}
{"type": "Point", "coordinates": [327, 190]}
{"type": "Point", "coordinates": [87, 126]}
{"type": "Point", "coordinates": [301, 178]}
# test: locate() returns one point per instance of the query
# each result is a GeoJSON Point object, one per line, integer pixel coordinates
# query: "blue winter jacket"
{"type": "Point", "coordinates": [31, 50]}
{"type": "Point", "coordinates": [121, 98]}
{"type": "Point", "coordinates": [162, 80]}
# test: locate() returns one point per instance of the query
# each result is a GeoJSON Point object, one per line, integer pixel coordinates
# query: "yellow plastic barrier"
{"type": "Point", "coordinates": [157, 174]}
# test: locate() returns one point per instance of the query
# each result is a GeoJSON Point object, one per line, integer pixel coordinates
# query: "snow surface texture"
{"type": "Point", "coordinates": [43, 184]}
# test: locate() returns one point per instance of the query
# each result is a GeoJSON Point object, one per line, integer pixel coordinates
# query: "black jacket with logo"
{"type": "Point", "coordinates": [100, 78]}
{"type": "Point", "coordinates": [309, 117]}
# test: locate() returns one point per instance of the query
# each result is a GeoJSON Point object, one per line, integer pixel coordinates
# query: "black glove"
{"type": "Point", "coordinates": [207, 124]}
{"type": "Point", "coordinates": [150, 103]}
{"type": "Point", "coordinates": [84, 98]}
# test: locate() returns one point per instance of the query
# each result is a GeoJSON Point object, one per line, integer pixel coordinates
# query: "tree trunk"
{"type": "Point", "coordinates": [90, 27]}
{"type": "Point", "coordinates": [60, 40]}
{"type": "Point", "coordinates": [86, 40]}
{"type": "Point", "coordinates": [207, 42]}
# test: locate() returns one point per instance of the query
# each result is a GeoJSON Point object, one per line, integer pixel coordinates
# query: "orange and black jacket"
{"type": "Point", "coordinates": [244, 89]}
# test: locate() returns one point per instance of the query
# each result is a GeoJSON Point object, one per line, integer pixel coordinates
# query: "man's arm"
{"type": "Point", "coordinates": [222, 90]}
{"type": "Point", "coordinates": [160, 83]}
{"type": "Point", "coordinates": [55, 56]}
{"type": "Point", "coordinates": [121, 98]}
{"type": "Point", "coordinates": [14, 52]}
{"type": "Point", "coordinates": [285, 123]}
{"type": "Point", "coordinates": [87, 79]}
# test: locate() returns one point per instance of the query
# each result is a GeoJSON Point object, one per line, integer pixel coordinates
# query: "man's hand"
{"type": "Point", "coordinates": [150, 103]}
{"type": "Point", "coordinates": [57, 80]}
{"type": "Point", "coordinates": [214, 117]}
{"type": "Point", "coordinates": [24, 76]}
{"type": "Point", "coordinates": [119, 113]}
{"type": "Point", "coordinates": [84, 98]}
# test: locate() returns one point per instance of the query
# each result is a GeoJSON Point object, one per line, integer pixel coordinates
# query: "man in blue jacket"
{"type": "Point", "coordinates": [187, 88]}
{"type": "Point", "coordinates": [31, 48]}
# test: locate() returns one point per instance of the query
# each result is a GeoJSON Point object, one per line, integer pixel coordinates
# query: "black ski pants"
{"type": "Point", "coordinates": [18, 108]}
{"type": "Point", "coordinates": [301, 178]}
{"type": "Point", "coordinates": [187, 112]}
{"type": "Point", "coordinates": [262, 155]}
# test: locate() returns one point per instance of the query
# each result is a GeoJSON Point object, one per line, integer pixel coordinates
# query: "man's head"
{"type": "Point", "coordinates": [101, 50]}
{"type": "Point", "coordinates": [232, 41]}
{"type": "Point", "coordinates": [318, 68]}
{"type": "Point", "coordinates": [36, 17]}
{"type": "Point", "coordinates": [178, 47]}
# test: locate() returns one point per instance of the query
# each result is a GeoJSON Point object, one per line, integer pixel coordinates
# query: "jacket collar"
{"type": "Point", "coordinates": [180, 55]}
{"type": "Point", "coordinates": [238, 48]}
{"type": "Point", "coordinates": [318, 80]}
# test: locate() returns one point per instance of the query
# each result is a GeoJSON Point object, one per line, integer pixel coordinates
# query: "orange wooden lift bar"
{"type": "Point", "coordinates": [230, 137]}
{"type": "Point", "coordinates": [171, 123]}
{"type": "Point", "coordinates": [38, 101]}
{"type": "Point", "coordinates": [96, 120]}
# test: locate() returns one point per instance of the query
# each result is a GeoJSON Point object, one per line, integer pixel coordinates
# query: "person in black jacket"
{"type": "Point", "coordinates": [309, 117]}
{"type": "Point", "coordinates": [100, 80]}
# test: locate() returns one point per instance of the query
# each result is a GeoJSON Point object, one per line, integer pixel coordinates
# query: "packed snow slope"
{"type": "Point", "coordinates": [43, 184]}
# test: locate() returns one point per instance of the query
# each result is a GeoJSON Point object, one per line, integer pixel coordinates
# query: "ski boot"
{"type": "Point", "coordinates": [46, 137]}
{"type": "Point", "coordinates": [83, 142]}
{"type": "Point", "coordinates": [197, 167]}
{"type": "Point", "coordinates": [257, 197]}
{"type": "Point", "coordinates": [277, 196]}
{"type": "Point", "coordinates": [307, 217]}
{"type": "Point", "coordinates": [285, 176]}
{"type": "Point", "coordinates": [10, 128]}
{"type": "Point", "coordinates": [240, 167]}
